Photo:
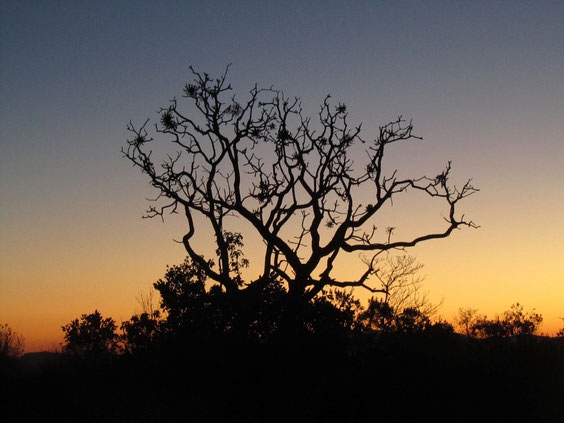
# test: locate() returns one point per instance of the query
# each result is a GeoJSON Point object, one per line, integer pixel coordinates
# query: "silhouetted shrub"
{"type": "Point", "coordinates": [11, 343]}
{"type": "Point", "coordinates": [141, 331]}
{"type": "Point", "coordinates": [382, 317]}
{"type": "Point", "coordinates": [193, 310]}
{"type": "Point", "coordinates": [513, 322]}
{"type": "Point", "coordinates": [92, 336]}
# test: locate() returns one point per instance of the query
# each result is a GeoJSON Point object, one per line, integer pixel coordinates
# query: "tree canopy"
{"type": "Point", "coordinates": [514, 322]}
{"type": "Point", "coordinates": [91, 336]}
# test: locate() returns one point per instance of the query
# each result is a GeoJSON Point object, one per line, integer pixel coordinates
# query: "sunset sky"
{"type": "Point", "coordinates": [482, 81]}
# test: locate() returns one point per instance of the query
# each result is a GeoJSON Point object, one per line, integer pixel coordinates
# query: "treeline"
{"type": "Point", "coordinates": [189, 311]}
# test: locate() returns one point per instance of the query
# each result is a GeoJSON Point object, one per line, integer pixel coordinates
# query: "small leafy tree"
{"type": "Point", "coordinates": [400, 307]}
{"type": "Point", "coordinates": [143, 329]}
{"type": "Point", "coordinates": [466, 321]}
{"type": "Point", "coordinates": [11, 343]}
{"type": "Point", "coordinates": [382, 317]}
{"type": "Point", "coordinates": [141, 332]}
{"type": "Point", "coordinates": [91, 336]}
{"type": "Point", "coordinates": [513, 322]}
{"type": "Point", "coordinates": [187, 304]}
{"type": "Point", "coordinates": [518, 322]}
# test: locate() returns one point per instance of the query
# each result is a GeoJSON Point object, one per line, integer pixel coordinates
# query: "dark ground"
{"type": "Point", "coordinates": [397, 379]}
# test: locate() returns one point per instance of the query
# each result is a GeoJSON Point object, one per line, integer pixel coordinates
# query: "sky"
{"type": "Point", "coordinates": [482, 81]}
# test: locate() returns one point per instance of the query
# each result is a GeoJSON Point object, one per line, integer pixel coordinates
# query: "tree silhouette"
{"type": "Point", "coordinates": [11, 343]}
{"type": "Point", "coordinates": [193, 311]}
{"type": "Point", "coordinates": [141, 331]}
{"type": "Point", "coordinates": [92, 336]}
{"type": "Point", "coordinates": [261, 161]}
{"type": "Point", "coordinates": [401, 307]}
{"type": "Point", "coordinates": [513, 322]}
{"type": "Point", "coordinates": [467, 319]}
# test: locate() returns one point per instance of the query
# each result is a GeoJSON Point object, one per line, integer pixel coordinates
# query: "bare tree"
{"type": "Point", "coordinates": [467, 320]}
{"type": "Point", "coordinates": [401, 285]}
{"type": "Point", "coordinates": [146, 301]}
{"type": "Point", "coordinates": [263, 161]}
{"type": "Point", "coordinates": [401, 305]}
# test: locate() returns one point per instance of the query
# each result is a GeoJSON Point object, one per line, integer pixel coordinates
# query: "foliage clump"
{"type": "Point", "coordinates": [513, 322]}
{"type": "Point", "coordinates": [196, 310]}
{"type": "Point", "coordinates": [91, 336]}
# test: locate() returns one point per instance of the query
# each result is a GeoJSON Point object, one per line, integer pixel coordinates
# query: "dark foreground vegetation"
{"type": "Point", "coordinates": [397, 379]}
{"type": "Point", "coordinates": [204, 355]}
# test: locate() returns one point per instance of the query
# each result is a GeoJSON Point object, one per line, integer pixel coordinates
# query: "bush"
{"type": "Point", "coordinates": [91, 336]}
{"type": "Point", "coordinates": [141, 331]}
{"type": "Point", "coordinates": [514, 322]}
{"type": "Point", "coordinates": [11, 343]}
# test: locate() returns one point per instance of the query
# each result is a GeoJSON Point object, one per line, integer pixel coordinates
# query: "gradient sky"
{"type": "Point", "coordinates": [482, 81]}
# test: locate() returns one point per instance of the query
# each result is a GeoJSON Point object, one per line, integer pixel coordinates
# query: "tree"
{"type": "Point", "coordinates": [401, 285]}
{"type": "Point", "coordinates": [188, 306]}
{"type": "Point", "coordinates": [11, 343]}
{"type": "Point", "coordinates": [401, 306]}
{"type": "Point", "coordinates": [513, 322]}
{"type": "Point", "coordinates": [91, 336]}
{"type": "Point", "coordinates": [384, 318]}
{"type": "Point", "coordinates": [263, 163]}
{"type": "Point", "coordinates": [193, 311]}
{"type": "Point", "coordinates": [467, 319]}
{"type": "Point", "coordinates": [519, 322]}
{"type": "Point", "coordinates": [141, 331]}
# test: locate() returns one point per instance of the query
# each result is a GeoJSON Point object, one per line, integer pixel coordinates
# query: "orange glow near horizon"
{"type": "Point", "coordinates": [464, 270]}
